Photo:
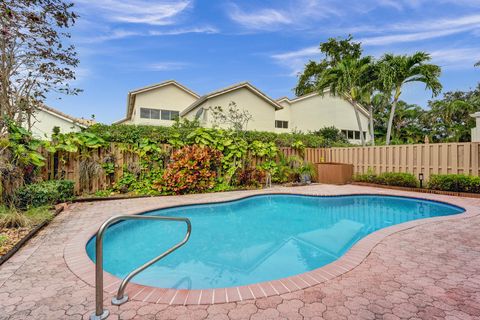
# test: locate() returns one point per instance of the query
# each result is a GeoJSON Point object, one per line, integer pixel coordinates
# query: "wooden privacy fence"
{"type": "Point", "coordinates": [434, 158]}
{"type": "Point", "coordinates": [441, 158]}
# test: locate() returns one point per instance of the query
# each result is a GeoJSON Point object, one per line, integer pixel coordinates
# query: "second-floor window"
{"type": "Point", "coordinates": [170, 115]}
{"type": "Point", "coordinates": [148, 113]}
{"type": "Point", "coordinates": [281, 124]}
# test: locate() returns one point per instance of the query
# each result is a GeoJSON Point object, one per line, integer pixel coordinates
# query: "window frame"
{"type": "Point", "coordinates": [159, 114]}
{"type": "Point", "coordinates": [281, 124]}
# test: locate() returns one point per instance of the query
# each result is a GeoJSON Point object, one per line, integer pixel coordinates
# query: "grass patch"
{"type": "Point", "coordinates": [11, 218]}
{"type": "Point", "coordinates": [16, 224]}
{"type": "Point", "coordinates": [3, 239]}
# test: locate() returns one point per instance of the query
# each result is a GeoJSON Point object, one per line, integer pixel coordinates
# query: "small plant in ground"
{"type": "Point", "coordinates": [307, 172]}
{"type": "Point", "coordinates": [250, 177]}
{"type": "Point", "coordinates": [11, 218]}
{"type": "Point", "coordinates": [44, 193]}
{"type": "Point", "coordinates": [192, 169]}
{"type": "Point", "coordinates": [399, 179]}
{"type": "Point", "coordinates": [454, 182]}
{"type": "Point", "coordinates": [369, 177]}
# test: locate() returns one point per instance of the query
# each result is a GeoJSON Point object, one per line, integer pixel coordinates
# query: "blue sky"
{"type": "Point", "coordinates": [206, 45]}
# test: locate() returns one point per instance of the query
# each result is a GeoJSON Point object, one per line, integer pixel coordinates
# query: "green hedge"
{"type": "Point", "coordinates": [399, 179]}
{"type": "Point", "coordinates": [454, 182]}
{"type": "Point", "coordinates": [134, 133]}
{"type": "Point", "coordinates": [44, 193]}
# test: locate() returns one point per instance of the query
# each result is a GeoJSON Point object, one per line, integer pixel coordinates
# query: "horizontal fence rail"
{"type": "Point", "coordinates": [89, 173]}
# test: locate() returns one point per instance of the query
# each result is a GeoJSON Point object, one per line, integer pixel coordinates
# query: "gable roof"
{"type": "Point", "coordinates": [132, 94]}
{"type": "Point", "coordinates": [234, 87]}
{"type": "Point", "coordinates": [313, 94]}
{"type": "Point", "coordinates": [59, 114]}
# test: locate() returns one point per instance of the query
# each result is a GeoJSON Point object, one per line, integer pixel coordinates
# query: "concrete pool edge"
{"type": "Point", "coordinates": [80, 264]}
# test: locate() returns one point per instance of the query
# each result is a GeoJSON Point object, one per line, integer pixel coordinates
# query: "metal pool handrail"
{"type": "Point", "coordinates": [120, 298]}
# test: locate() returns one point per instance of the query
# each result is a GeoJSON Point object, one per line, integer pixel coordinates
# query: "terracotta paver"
{"type": "Point", "coordinates": [429, 271]}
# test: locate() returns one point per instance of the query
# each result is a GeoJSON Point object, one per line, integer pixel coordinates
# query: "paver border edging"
{"type": "Point", "coordinates": [80, 264]}
{"type": "Point", "coordinates": [59, 208]}
{"type": "Point", "coordinates": [419, 190]}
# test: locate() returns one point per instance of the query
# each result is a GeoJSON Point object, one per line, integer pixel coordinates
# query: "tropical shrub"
{"type": "Point", "coordinates": [180, 132]}
{"type": "Point", "coordinates": [399, 179]}
{"type": "Point", "coordinates": [44, 193]}
{"type": "Point", "coordinates": [250, 177]}
{"type": "Point", "coordinates": [332, 136]}
{"type": "Point", "coordinates": [142, 183]}
{"type": "Point", "coordinates": [454, 182]}
{"type": "Point", "coordinates": [192, 169]}
{"type": "Point", "coordinates": [307, 171]}
{"type": "Point", "coordinates": [369, 177]}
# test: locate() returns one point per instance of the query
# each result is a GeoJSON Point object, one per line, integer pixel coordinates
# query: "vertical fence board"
{"type": "Point", "coordinates": [419, 158]}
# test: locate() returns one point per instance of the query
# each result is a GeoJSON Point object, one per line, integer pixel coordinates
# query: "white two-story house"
{"type": "Point", "coordinates": [162, 103]}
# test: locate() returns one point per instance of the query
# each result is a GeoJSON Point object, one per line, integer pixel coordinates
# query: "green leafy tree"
{"type": "Point", "coordinates": [449, 118]}
{"type": "Point", "coordinates": [347, 79]}
{"type": "Point", "coordinates": [397, 70]}
{"type": "Point", "coordinates": [334, 51]}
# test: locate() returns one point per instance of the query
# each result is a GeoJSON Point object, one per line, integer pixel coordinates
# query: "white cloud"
{"type": "Point", "coordinates": [297, 14]}
{"type": "Point", "coordinates": [107, 36]}
{"type": "Point", "coordinates": [117, 34]}
{"type": "Point", "coordinates": [139, 11]}
{"type": "Point", "coordinates": [167, 66]}
{"type": "Point", "coordinates": [468, 21]}
{"type": "Point", "coordinates": [295, 60]}
{"type": "Point", "coordinates": [456, 57]}
{"type": "Point", "coordinates": [302, 53]}
{"type": "Point", "coordinates": [431, 29]}
{"type": "Point", "coordinates": [409, 37]}
{"type": "Point", "coordinates": [258, 19]}
{"type": "Point", "coordinates": [174, 32]}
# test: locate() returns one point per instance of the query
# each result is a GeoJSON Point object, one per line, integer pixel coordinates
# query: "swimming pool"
{"type": "Point", "coordinates": [254, 239]}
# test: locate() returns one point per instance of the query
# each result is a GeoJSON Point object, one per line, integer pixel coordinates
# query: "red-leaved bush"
{"type": "Point", "coordinates": [250, 177]}
{"type": "Point", "coordinates": [192, 169]}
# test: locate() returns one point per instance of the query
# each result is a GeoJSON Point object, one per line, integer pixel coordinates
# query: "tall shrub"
{"type": "Point", "coordinates": [192, 169]}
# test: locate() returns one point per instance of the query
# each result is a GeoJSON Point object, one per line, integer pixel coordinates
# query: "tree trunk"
{"type": "Point", "coordinates": [390, 121]}
{"type": "Point", "coordinates": [372, 129]}
{"type": "Point", "coordinates": [359, 122]}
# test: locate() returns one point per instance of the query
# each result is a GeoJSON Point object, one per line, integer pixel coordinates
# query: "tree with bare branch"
{"type": "Point", "coordinates": [36, 56]}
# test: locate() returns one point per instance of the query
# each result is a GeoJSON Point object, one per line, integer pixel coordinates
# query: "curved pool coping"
{"type": "Point", "coordinates": [81, 265]}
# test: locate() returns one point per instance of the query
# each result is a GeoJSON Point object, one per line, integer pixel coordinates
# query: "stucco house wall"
{"type": "Point", "coordinates": [313, 112]}
{"type": "Point", "coordinates": [284, 115]}
{"type": "Point", "coordinates": [45, 120]}
{"type": "Point", "coordinates": [263, 112]}
{"type": "Point", "coordinates": [169, 97]}
{"type": "Point", "coordinates": [306, 113]}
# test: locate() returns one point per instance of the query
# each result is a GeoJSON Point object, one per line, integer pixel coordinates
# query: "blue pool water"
{"type": "Point", "coordinates": [255, 239]}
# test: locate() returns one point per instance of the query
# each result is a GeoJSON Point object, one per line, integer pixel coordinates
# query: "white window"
{"type": "Point", "coordinates": [148, 113]}
{"type": "Point", "coordinates": [353, 134]}
{"type": "Point", "coordinates": [281, 124]}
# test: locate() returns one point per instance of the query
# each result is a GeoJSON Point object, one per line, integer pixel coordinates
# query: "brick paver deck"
{"type": "Point", "coordinates": [428, 271]}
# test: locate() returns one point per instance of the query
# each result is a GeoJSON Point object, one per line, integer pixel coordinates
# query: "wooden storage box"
{"type": "Point", "coordinates": [334, 173]}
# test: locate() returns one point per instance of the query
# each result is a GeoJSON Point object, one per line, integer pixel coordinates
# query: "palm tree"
{"type": "Point", "coordinates": [397, 70]}
{"type": "Point", "coordinates": [347, 79]}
